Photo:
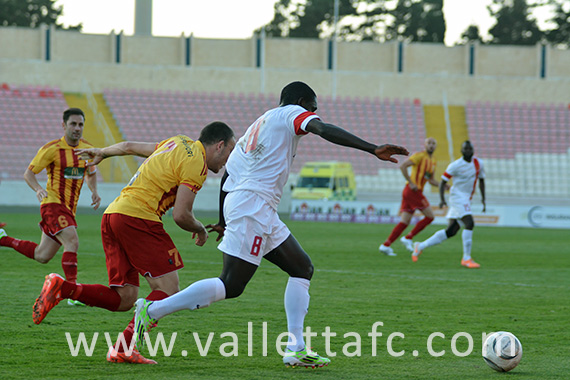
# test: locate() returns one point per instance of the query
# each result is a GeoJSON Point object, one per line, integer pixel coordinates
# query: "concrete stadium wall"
{"type": "Point", "coordinates": [151, 50]}
{"type": "Point", "coordinates": [22, 43]}
{"type": "Point", "coordinates": [430, 89]}
{"type": "Point", "coordinates": [508, 61]}
{"type": "Point", "coordinates": [367, 69]}
{"type": "Point", "coordinates": [430, 58]}
{"type": "Point", "coordinates": [296, 54]}
{"type": "Point", "coordinates": [222, 53]}
{"type": "Point", "coordinates": [558, 62]}
{"type": "Point", "coordinates": [75, 47]}
{"type": "Point", "coordinates": [368, 56]}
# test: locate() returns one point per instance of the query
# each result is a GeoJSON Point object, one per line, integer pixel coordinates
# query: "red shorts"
{"type": "Point", "coordinates": [413, 200]}
{"type": "Point", "coordinates": [55, 218]}
{"type": "Point", "coordinates": [133, 246]}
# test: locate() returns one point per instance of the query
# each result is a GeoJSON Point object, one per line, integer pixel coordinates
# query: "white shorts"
{"type": "Point", "coordinates": [253, 228]}
{"type": "Point", "coordinates": [459, 206]}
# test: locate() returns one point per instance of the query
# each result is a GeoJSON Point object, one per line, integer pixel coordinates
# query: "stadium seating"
{"type": "Point", "coordinates": [30, 116]}
{"type": "Point", "coordinates": [525, 147]}
{"type": "Point", "coordinates": [153, 115]}
{"type": "Point", "coordinates": [501, 130]}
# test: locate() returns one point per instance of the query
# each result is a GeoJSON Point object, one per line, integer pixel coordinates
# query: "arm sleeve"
{"type": "Point", "coordinates": [299, 118]}
{"type": "Point", "coordinates": [193, 172]}
{"type": "Point", "coordinates": [43, 158]}
{"type": "Point", "coordinates": [449, 172]}
{"type": "Point", "coordinates": [416, 158]}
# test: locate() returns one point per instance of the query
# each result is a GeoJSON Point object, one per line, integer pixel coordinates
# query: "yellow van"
{"type": "Point", "coordinates": [326, 180]}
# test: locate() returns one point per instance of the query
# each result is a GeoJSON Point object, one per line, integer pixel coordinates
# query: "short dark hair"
{"type": "Point", "coordinates": [295, 91]}
{"type": "Point", "coordinates": [215, 132]}
{"type": "Point", "coordinates": [72, 111]}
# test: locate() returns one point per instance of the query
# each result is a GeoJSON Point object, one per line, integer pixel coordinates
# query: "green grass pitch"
{"type": "Point", "coordinates": [522, 287]}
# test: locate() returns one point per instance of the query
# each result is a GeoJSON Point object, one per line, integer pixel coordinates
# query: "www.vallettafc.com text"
{"type": "Point", "coordinates": [352, 343]}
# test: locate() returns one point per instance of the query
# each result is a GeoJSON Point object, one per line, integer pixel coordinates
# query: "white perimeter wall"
{"type": "Point", "coordinates": [369, 69]}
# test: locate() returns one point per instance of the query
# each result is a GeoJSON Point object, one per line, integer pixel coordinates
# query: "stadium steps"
{"type": "Point", "coordinates": [108, 169]}
{"type": "Point", "coordinates": [459, 132]}
{"type": "Point", "coordinates": [115, 174]}
{"type": "Point", "coordinates": [435, 127]}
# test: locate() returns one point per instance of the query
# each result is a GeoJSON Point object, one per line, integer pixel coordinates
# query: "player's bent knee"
{"type": "Point", "coordinates": [127, 302]}
{"type": "Point", "coordinates": [234, 291]}
{"type": "Point", "coordinates": [42, 260]}
{"type": "Point", "coordinates": [71, 245]}
{"type": "Point", "coordinates": [450, 232]}
{"type": "Point", "coordinates": [305, 272]}
{"type": "Point", "coordinates": [468, 222]}
{"type": "Point", "coordinates": [43, 257]}
{"type": "Point", "coordinates": [166, 287]}
{"type": "Point", "coordinates": [128, 296]}
{"type": "Point", "coordinates": [300, 266]}
{"type": "Point", "coordinates": [171, 291]}
{"type": "Point", "coordinates": [234, 287]}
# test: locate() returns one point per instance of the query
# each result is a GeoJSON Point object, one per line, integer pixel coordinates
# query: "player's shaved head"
{"type": "Point", "coordinates": [294, 91]}
{"type": "Point", "coordinates": [430, 144]}
{"type": "Point", "coordinates": [467, 150]}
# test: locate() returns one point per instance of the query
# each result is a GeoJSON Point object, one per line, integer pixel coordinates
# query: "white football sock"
{"type": "Point", "coordinates": [296, 307]}
{"type": "Point", "coordinates": [434, 239]}
{"type": "Point", "coordinates": [197, 296]}
{"type": "Point", "coordinates": [467, 236]}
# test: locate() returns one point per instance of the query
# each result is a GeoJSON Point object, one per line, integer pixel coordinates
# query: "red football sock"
{"type": "Point", "coordinates": [420, 226]}
{"type": "Point", "coordinates": [69, 265]}
{"type": "Point", "coordinates": [25, 247]}
{"type": "Point", "coordinates": [93, 295]}
{"type": "Point", "coordinates": [155, 295]}
{"type": "Point", "coordinates": [397, 231]}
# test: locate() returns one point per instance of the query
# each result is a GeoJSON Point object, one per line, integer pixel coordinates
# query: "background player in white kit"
{"type": "Point", "coordinates": [256, 173]}
{"type": "Point", "coordinates": [465, 173]}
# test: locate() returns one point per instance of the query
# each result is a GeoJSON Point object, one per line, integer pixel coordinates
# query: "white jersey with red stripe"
{"type": "Point", "coordinates": [465, 175]}
{"type": "Point", "coordinates": [262, 158]}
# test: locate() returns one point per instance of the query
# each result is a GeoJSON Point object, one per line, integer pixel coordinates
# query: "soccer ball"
{"type": "Point", "coordinates": [502, 351]}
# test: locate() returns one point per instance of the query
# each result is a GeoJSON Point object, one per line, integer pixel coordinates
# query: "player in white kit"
{"type": "Point", "coordinates": [256, 173]}
{"type": "Point", "coordinates": [465, 173]}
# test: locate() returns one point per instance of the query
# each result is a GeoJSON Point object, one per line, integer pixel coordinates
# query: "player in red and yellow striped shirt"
{"type": "Point", "coordinates": [66, 174]}
{"type": "Point", "coordinates": [134, 239]}
{"type": "Point", "coordinates": [423, 170]}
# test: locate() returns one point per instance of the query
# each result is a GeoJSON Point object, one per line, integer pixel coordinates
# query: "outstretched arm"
{"type": "Point", "coordinates": [339, 136]}
{"type": "Point", "coordinates": [96, 155]}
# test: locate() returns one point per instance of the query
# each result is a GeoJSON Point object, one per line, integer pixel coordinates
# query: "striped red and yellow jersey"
{"type": "Point", "coordinates": [152, 190]}
{"type": "Point", "coordinates": [65, 171]}
{"type": "Point", "coordinates": [422, 169]}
